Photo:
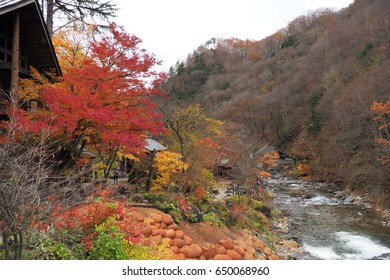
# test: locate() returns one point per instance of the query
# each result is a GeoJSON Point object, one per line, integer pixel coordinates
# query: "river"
{"type": "Point", "coordinates": [328, 227]}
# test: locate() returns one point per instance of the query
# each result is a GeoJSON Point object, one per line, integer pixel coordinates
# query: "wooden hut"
{"type": "Point", "coordinates": [24, 42]}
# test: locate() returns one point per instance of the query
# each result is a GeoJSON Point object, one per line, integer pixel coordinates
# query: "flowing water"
{"type": "Point", "coordinates": [327, 227]}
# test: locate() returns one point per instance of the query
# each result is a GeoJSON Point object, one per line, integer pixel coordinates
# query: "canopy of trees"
{"type": "Point", "coordinates": [102, 101]}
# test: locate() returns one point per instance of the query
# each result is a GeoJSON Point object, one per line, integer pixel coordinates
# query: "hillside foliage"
{"type": "Point", "coordinates": [308, 89]}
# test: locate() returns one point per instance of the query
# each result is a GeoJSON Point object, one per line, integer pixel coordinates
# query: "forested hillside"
{"type": "Point", "coordinates": [308, 89]}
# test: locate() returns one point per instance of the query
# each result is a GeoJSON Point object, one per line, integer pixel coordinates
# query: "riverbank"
{"type": "Point", "coordinates": [320, 221]}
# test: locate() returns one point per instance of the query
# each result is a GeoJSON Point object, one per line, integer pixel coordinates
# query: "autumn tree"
{"type": "Point", "coordinates": [102, 102]}
{"type": "Point", "coordinates": [191, 133]}
{"type": "Point", "coordinates": [187, 126]}
{"type": "Point", "coordinates": [169, 170]}
{"type": "Point", "coordinates": [382, 113]}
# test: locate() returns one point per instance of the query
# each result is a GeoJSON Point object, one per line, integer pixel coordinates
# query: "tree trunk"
{"type": "Point", "coordinates": [6, 246]}
{"type": "Point", "coordinates": [110, 162]}
{"type": "Point", "coordinates": [15, 58]}
{"type": "Point", "coordinates": [151, 171]}
{"type": "Point", "coordinates": [49, 16]}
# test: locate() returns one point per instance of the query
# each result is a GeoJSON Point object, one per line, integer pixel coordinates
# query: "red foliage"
{"type": "Point", "coordinates": [199, 192]}
{"type": "Point", "coordinates": [183, 205]}
{"type": "Point", "coordinates": [238, 210]}
{"type": "Point", "coordinates": [88, 216]}
{"type": "Point", "coordinates": [105, 99]}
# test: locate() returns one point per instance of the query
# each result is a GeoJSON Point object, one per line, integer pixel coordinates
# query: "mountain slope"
{"type": "Point", "coordinates": [307, 88]}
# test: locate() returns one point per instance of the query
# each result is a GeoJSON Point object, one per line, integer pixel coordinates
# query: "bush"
{"type": "Point", "coordinates": [109, 246]}
{"type": "Point", "coordinates": [224, 85]}
{"type": "Point", "coordinates": [213, 218]}
{"type": "Point", "coordinates": [46, 248]}
{"type": "Point", "coordinates": [291, 41]}
{"type": "Point", "coordinates": [314, 126]}
{"type": "Point", "coordinates": [367, 49]}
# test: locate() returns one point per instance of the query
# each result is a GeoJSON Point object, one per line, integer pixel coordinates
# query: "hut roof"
{"type": "Point", "coordinates": [153, 145]}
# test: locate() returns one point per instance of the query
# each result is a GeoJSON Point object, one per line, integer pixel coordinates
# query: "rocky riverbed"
{"type": "Point", "coordinates": [320, 221]}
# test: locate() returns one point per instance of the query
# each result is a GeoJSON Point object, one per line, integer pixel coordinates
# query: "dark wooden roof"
{"type": "Point", "coordinates": [34, 36]}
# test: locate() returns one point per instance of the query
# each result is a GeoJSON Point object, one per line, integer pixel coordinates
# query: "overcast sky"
{"type": "Point", "coordinates": [172, 29]}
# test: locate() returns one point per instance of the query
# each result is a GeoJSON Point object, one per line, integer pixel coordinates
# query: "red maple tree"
{"type": "Point", "coordinates": [104, 101]}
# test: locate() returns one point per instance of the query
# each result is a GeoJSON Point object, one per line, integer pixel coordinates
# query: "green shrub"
{"type": "Point", "coordinates": [366, 51]}
{"type": "Point", "coordinates": [289, 42]}
{"type": "Point", "coordinates": [109, 247]}
{"type": "Point", "coordinates": [213, 218]}
{"type": "Point", "coordinates": [313, 126]}
{"type": "Point", "coordinates": [224, 85]}
{"type": "Point", "coordinates": [170, 209]}
{"type": "Point", "coordinates": [46, 248]}
{"type": "Point", "coordinates": [152, 197]}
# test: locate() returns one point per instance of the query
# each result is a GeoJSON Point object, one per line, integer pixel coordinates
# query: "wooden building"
{"type": "Point", "coordinates": [24, 42]}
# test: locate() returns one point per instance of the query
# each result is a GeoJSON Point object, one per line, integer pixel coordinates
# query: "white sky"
{"type": "Point", "coordinates": [172, 29]}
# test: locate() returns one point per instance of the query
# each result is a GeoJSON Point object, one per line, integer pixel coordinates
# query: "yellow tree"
{"type": "Point", "coordinates": [169, 170]}
{"type": "Point", "coordinates": [189, 125]}
{"type": "Point", "coordinates": [190, 133]}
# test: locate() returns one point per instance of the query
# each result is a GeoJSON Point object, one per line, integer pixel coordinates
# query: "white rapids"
{"type": "Point", "coordinates": [349, 246]}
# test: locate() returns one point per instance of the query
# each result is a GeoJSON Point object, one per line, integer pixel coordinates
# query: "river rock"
{"type": "Point", "coordinates": [332, 187]}
{"type": "Point", "coordinates": [349, 199]}
{"type": "Point", "coordinates": [215, 191]}
{"type": "Point", "coordinates": [340, 194]}
{"type": "Point", "coordinates": [298, 191]}
{"type": "Point", "coordinates": [382, 257]}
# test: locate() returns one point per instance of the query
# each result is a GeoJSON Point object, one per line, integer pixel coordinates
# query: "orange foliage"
{"type": "Point", "coordinates": [199, 192]}
{"type": "Point", "coordinates": [270, 158]}
{"type": "Point", "coordinates": [264, 174]}
{"type": "Point", "coordinates": [103, 210]}
{"type": "Point", "coordinates": [382, 111]}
